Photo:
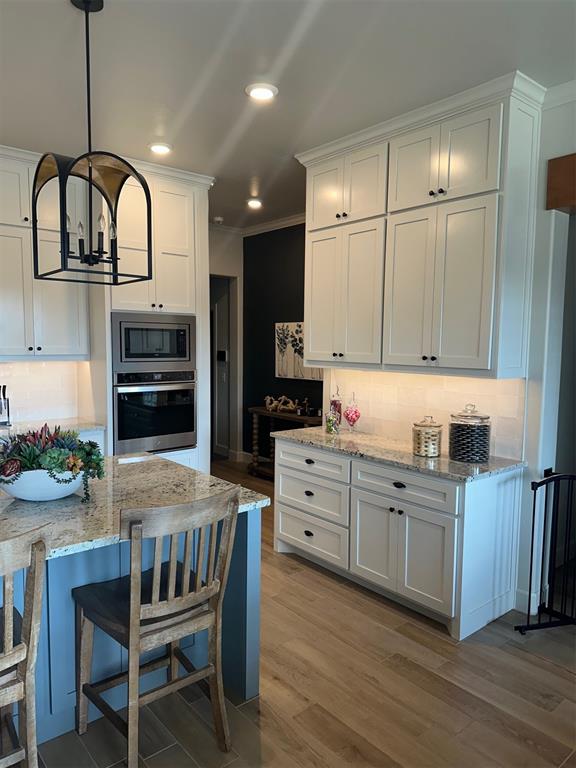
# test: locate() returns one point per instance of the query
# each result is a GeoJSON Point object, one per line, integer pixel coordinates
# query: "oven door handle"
{"type": "Point", "coordinates": [155, 388]}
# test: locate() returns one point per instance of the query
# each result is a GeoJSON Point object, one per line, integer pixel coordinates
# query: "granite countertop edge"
{"type": "Point", "coordinates": [74, 424]}
{"type": "Point", "coordinates": [381, 450]}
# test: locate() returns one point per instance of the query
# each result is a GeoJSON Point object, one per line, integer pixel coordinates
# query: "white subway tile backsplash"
{"type": "Point", "coordinates": [41, 389]}
{"type": "Point", "coordinates": [390, 402]}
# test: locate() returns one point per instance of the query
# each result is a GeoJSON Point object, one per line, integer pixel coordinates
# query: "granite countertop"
{"type": "Point", "coordinates": [68, 525]}
{"type": "Point", "coordinates": [361, 445]}
{"type": "Point", "coordinates": [75, 424]}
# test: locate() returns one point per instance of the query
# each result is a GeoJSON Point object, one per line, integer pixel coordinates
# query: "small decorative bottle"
{"type": "Point", "coordinates": [336, 405]}
{"type": "Point", "coordinates": [332, 422]}
{"type": "Point", "coordinates": [352, 413]}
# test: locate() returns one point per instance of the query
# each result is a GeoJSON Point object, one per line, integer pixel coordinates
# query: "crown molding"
{"type": "Point", "coordinates": [14, 153]}
{"type": "Point", "coordinates": [514, 84]}
{"type": "Point", "coordinates": [561, 94]}
{"type": "Point", "coordinates": [270, 226]}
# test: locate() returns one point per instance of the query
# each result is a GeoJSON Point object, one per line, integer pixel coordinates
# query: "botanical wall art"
{"type": "Point", "coordinates": [289, 340]}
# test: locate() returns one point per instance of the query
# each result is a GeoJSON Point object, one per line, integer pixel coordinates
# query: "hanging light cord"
{"type": "Point", "coordinates": [88, 117]}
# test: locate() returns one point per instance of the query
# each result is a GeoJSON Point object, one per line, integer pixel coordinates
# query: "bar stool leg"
{"type": "Point", "coordinates": [133, 708]}
{"type": "Point", "coordinates": [217, 688]}
{"type": "Point", "coordinates": [84, 646]}
{"type": "Point", "coordinates": [27, 722]}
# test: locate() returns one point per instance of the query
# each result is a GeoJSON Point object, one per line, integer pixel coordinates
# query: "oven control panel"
{"type": "Point", "coordinates": [151, 377]}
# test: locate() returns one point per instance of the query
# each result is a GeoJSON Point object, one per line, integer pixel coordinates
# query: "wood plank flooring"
{"type": "Point", "coordinates": [352, 679]}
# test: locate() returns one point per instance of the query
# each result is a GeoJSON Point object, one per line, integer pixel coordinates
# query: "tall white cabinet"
{"type": "Point", "coordinates": [38, 318]}
{"type": "Point", "coordinates": [458, 206]}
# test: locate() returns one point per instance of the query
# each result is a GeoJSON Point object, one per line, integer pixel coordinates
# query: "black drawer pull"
{"type": "Point", "coordinates": [308, 533]}
{"type": "Point", "coordinates": [309, 461]}
{"type": "Point", "coordinates": [309, 493]}
{"type": "Point", "coordinates": [398, 484]}
{"type": "Point", "coordinates": [400, 511]}
{"type": "Point", "coordinates": [391, 509]}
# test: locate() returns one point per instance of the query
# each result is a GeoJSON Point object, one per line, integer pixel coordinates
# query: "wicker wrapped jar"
{"type": "Point", "coordinates": [427, 438]}
{"type": "Point", "coordinates": [470, 436]}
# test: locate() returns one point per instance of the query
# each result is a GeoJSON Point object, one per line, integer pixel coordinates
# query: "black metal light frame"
{"type": "Point", "coordinates": [103, 171]}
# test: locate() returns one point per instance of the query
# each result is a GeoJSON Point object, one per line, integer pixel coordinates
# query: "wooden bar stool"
{"type": "Point", "coordinates": [159, 607]}
{"type": "Point", "coordinates": [19, 649]}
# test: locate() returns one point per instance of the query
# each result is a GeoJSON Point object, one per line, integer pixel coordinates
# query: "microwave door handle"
{"type": "Point", "coordinates": [155, 388]}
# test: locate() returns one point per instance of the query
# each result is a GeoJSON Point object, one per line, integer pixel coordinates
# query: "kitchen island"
{"type": "Point", "coordinates": [83, 546]}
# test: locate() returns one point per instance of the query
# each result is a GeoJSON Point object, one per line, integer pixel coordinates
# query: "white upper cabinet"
{"type": "Point", "coordinates": [470, 153]}
{"type": "Point", "coordinates": [409, 287]}
{"type": "Point", "coordinates": [173, 287]}
{"type": "Point", "coordinates": [455, 158]}
{"type": "Point", "coordinates": [16, 318]}
{"type": "Point", "coordinates": [440, 268]}
{"type": "Point", "coordinates": [347, 188]}
{"type": "Point", "coordinates": [413, 175]}
{"type": "Point", "coordinates": [14, 193]}
{"type": "Point", "coordinates": [174, 260]}
{"type": "Point", "coordinates": [464, 283]}
{"type": "Point", "coordinates": [343, 294]}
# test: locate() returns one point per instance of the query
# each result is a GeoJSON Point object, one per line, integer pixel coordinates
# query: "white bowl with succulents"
{"type": "Point", "coordinates": [46, 465]}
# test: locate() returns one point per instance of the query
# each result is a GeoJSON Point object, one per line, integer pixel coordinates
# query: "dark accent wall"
{"type": "Point", "coordinates": [273, 293]}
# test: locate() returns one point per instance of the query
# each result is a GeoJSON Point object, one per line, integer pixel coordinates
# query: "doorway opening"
{"type": "Point", "coordinates": [220, 352]}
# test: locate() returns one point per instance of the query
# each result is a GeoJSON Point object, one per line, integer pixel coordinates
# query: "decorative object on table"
{"type": "Point", "coordinates": [289, 339]}
{"type": "Point", "coordinates": [470, 436]}
{"type": "Point", "coordinates": [352, 412]}
{"type": "Point", "coordinates": [4, 407]}
{"type": "Point", "coordinates": [282, 405]}
{"type": "Point", "coordinates": [333, 419]}
{"type": "Point", "coordinates": [336, 405]}
{"type": "Point", "coordinates": [427, 438]}
{"type": "Point", "coordinates": [104, 172]}
{"type": "Point", "coordinates": [45, 465]}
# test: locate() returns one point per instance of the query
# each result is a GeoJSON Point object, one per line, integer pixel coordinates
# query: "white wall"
{"type": "Point", "coordinates": [391, 402]}
{"type": "Point", "coordinates": [227, 260]}
{"type": "Point", "coordinates": [41, 389]}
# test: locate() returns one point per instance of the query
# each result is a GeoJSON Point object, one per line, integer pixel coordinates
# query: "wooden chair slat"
{"type": "Point", "coordinates": [212, 553]}
{"type": "Point", "coordinates": [187, 561]}
{"type": "Point", "coordinates": [179, 604]}
{"type": "Point", "coordinates": [200, 559]}
{"type": "Point", "coordinates": [158, 545]}
{"type": "Point", "coordinates": [173, 566]}
{"type": "Point", "coordinates": [8, 612]}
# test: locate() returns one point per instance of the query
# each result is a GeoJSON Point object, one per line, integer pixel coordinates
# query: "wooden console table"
{"type": "Point", "coordinates": [262, 466]}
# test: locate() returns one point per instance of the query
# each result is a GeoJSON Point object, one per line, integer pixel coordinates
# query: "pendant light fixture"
{"type": "Point", "coordinates": [91, 262]}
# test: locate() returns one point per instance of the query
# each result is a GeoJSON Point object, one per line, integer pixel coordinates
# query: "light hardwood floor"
{"type": "Point", "coordinates": [352, 679]}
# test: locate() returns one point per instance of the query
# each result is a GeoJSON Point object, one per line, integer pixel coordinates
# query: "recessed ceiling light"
{"type": "Point", "coordinates": [254, 203]}
{"type": "Point", "coordinates": [261, 91]}
{"type": "Point", "coordinates": [160, 148]}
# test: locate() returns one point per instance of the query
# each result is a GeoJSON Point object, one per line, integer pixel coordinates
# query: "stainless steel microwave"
{"type": "Point", "coordinates": [153, 342]}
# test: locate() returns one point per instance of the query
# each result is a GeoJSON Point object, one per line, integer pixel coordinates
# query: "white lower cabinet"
{"type": "Point", "coordinates": [428, 541]}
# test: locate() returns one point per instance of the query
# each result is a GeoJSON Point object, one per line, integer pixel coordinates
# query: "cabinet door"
{"type": "Point", "coordinates": [427, 558]}
{"type": "Point", "coordinates": [413, 168]}
{"type": "Point", "coordinates": [409, 287]}
{"type": "Point", "coordinates": [365, 173]}
{"type": "Point", "coordinates": [470, 152]}
{"type": "Point", "coordinates": [324, 194]}
{"type": "Point", "coordinates": [322, 310]}
{"type": "Point", "coordinates": [60, 308]}
{"type": "Point", "coordinates": [16, 318]}
{"type": "Point", "coordinates": [132, 251]}
{"type": "Point", "coordinates": [464, 283]}
{"type": "Point", "coordinates": [174, 261]}
{"type": "Point", "coordinates": [374, 538]}
{"type": "Point", "coordinates": [362, 289]}
{"type": "Point", "coordinates": [14, 193]}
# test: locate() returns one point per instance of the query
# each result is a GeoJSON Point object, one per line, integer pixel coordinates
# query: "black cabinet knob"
{"type": "Point", "coordinates": [30, 349]}
{"type": "Point", "coordinates": [400, 511]}
{"type": "Point", "coordinates": [433, 357]}
{"type": "Point", "coordinates": [308, 533]}
{"type": "Point", "coordinates": [424, 357]}
{"type": "Point", "coordinates": [338, 216]}
{"type": "Point", "coordinates": [26, 218]}
{"type": "Point", "coordinates": [392, 509]}
{"type": "Point", "coordinates": [309, 493]}
{"type": "Point", "coordinates": [309, 461]}
{"type": "Point", "coordinates": [39, 349]}
{"type": "Point", "coordinates": [153, 305]}
{"type": "Point", "coordinates": [431, 193]}
{"type": "Point", "coordinates": [160, 305]}
{"type": "Point", "coordinates": [344, 214]}
{"type": "Point", "coordinates": [441, 191]}
{"type": "Point", "coordinates": [398, 484]}
{"type": "Point", "coordinates": [334, 354]}
{"type": "Point", "coordinates": [340, 354]}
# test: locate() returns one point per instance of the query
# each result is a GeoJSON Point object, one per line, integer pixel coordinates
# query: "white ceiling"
{"type": "Point", "coordinates": [177, 69]}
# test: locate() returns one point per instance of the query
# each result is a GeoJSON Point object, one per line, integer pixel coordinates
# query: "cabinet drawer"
{"type": "Point", "coordinates": [313, 461]}
{"type": "Point", "coordinates": [405, 486]}
{"type": "Point", "coordinates": [322, 539]}
{"type": "Point", "coordinates": [308, 493]}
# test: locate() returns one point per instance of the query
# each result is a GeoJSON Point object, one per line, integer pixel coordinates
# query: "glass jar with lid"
{"type": "Point", "coordinates": [470, 436]}
{"type": "Point", "coordinates": [427, 438]}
